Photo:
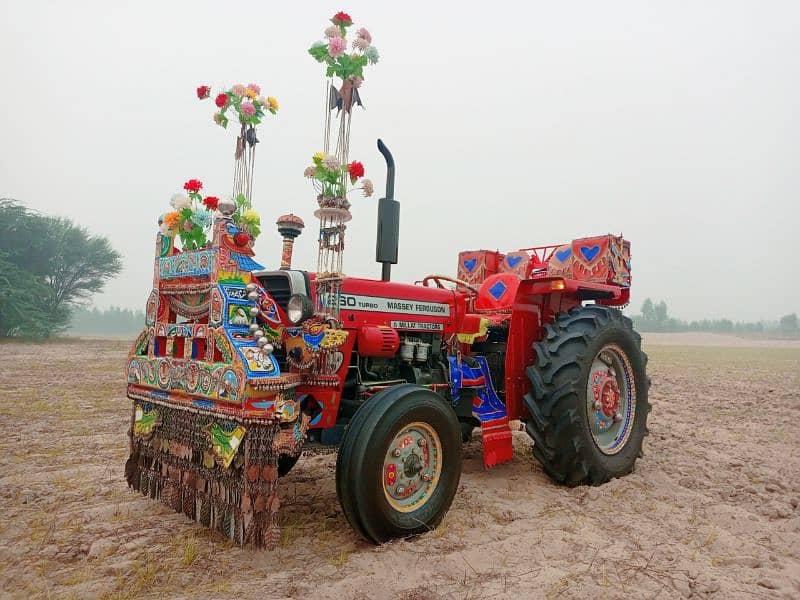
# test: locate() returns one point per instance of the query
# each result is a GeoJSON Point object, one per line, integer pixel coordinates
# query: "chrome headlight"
{"type": "Point", "coordinates": [299, 308]}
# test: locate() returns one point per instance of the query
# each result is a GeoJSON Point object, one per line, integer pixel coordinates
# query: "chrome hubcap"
{"type": "Point", "coordinates": [610, 399]}
{"type": "Point", "coordinates": [412, 466]}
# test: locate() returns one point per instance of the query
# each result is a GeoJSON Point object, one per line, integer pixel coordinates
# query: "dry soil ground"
{"type": "Point", "coordinates": [711, 510]}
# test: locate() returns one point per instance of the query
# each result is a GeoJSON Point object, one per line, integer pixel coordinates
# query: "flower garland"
{"type": "Point", "coordinates": [348, 67]}
{"type": "Point", "coordinates": [190, 217]}
{"type": "Point", "coordinates": [329, 177]}
{"type": "Point", "coordinates": [245, 101]}
{"type": "Point", "coordinates": [192, 214]}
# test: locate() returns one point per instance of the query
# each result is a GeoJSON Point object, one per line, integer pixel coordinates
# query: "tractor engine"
{"type": "Point", "coordinates": [418, 358]}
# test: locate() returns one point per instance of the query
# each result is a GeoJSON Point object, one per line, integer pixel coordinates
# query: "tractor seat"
{"type": "Point", "coordinates": [496, 294]}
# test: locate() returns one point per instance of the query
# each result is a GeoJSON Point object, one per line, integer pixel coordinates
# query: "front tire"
{"type": "Point", "coordinates": [286, 463]}
{"type": "Point", "coordinates": [588, 400]}
{"type": "Point", "coordinates": [399, 463]}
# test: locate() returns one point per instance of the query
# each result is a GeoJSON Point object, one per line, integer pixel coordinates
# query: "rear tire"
{"type": "Point", "coordinates": [588, 400]}
{"type": "Point", "coordinates": [386, 495]}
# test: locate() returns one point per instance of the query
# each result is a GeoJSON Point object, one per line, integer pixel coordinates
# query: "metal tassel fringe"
{"type": "Point", "coordinates": [241, 501]}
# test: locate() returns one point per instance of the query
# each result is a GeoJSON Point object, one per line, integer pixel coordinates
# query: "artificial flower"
{"type": "Point", "coordinates": [356, 170]}
{"type": "Point", "coordinates": [360, 43]}
{"type": "Point", "coordinates": [247, 108]}
{"type": "Point", "coordinates": [336, 47]}
{"type": "Point", "coordinates": [368, 188]}
{"type": "Point", "coordinates": [254, 88]}
{"type": "Point", "coordinates": [273, 103]}
{"type": "Point", "coordinates": [364, 35]}
{"type": "Point", "coordinates": [318, 156]}
{"type": "Point", "coordinates": [238, 90]}
{"type": "Point", "coordinates": [188, 225]}
{"type": "Point", "coordinates": [171, 219]}
{"type": "Point", "coordinates": [221, 100]}
{"type": "Point", "coordinates": [241, 238]}
{"type": "Point", "coordinates": [201, 217]}
{"type": "Point", "coordinates": [220, 119]}
{"type": "Point", "coordinates": [372, 55]}
{"type": "Point", "coordinates": [310, 172]}
{"type": "Point", "coordinates": [251, 217]}
{"type": "Point", "coordinates": [203, 91]}
{"type": "Point", "coordinates": [193, 185]}
{"type": "Point", "coordinates": [342, 18]}
{"type": "Point", "coordinates": [252, 94]}
{"type": "Point", "coordinates": [211, 202]}
{"type": "Point", "coordinates": [331, 163]}
{"type": "Point", "coordinates": [179, 202]}
{"type": "Point", "coordinates": [333, 31]}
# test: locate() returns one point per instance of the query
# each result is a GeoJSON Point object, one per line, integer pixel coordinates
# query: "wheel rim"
{"type": "Point", "coordinates": [611, 399]}
{"type": "Point", "coordinates": [411, 467]}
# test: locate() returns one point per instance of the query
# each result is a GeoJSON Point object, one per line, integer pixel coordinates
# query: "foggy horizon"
{"type": "Point", "coordinates": [512, 126]}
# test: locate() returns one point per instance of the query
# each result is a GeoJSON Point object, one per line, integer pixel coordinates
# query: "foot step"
{"type": "Point", "coordinates": [497, 445]}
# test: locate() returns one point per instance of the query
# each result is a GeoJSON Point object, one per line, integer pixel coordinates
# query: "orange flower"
{"type": "Point", "coordinates": [171, 219]}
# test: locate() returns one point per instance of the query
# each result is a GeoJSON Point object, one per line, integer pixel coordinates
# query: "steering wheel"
{"type": "Point", "coordinates": [437, 279]}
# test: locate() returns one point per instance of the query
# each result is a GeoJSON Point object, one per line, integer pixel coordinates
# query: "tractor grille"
{"type": "Point", "coordinates": [280, 356]}
{"type": "Point", "coordinates": [278, 287]}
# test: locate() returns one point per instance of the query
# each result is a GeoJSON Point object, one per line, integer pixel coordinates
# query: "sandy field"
{"type": "Point", "coordinates": [712, 510]}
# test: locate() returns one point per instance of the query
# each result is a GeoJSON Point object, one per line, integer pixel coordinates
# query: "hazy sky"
{"type": "Point", "coordinates": [675, 123]}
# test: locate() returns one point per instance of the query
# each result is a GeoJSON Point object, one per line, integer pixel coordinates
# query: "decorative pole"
{"type": "Point", "coordinates": [289, 226]}
{"type": "Point", "coordinates": [248, 107]}
{"type": "Point", "coordinates": [331, 170]}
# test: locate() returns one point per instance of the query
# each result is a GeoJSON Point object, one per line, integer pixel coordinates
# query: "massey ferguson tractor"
{"type": "Point", "coordinates": [239, 368]}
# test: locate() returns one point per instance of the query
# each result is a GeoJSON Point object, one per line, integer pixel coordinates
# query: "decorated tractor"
{"type": "Point", "coordinates": [240, 369]}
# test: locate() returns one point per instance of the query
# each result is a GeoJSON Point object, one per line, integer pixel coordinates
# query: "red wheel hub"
{"type": "Point", "coordinates": [606, 393]}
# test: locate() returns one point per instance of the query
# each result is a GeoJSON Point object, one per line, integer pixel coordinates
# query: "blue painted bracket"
{"type": "Point", "coordinates": [486, 406]}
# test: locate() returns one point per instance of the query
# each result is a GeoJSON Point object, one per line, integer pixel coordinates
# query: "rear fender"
{"type": "Point", "coordinates": [531, 311]}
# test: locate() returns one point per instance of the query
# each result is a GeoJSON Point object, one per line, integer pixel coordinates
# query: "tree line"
{"type": "Point", "coordinates": [49, 267]}
{"type": "Point", "coordinates": [113, 321]}
{"type": "Point", "coordinates": [654, 317]}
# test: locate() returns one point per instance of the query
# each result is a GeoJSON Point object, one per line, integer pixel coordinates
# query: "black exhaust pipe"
{"type": "Point", "coordinates": [388, 220]}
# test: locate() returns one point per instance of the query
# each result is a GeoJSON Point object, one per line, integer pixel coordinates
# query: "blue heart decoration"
{"type": "Point", "coordinates": [564, 254]}
{"type": "Point", "coordinates": [470, 264]}
{"type": "Point", "coordinates": [513, 261]}
{"type": "Point", "coordinates": [589, 253]}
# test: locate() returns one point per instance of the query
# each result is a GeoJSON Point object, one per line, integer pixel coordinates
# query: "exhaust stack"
{"type": "Point", "coordinates": [388, 220]}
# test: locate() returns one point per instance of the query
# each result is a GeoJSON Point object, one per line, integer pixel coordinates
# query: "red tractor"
{"type": "Point", "coordinates": [511, 339]}
{"type": "Point", "coordinates": [398, 384]}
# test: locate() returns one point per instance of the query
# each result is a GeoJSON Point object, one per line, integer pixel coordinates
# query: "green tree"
{"type": "Point", "coordinates": [648, 312]}
{"type": "Point", "coordinates": [48, 265]}
{"type": "Point", "coordinates": [788, 324]}
{"type": "Point", "coordinates": [660, 312]}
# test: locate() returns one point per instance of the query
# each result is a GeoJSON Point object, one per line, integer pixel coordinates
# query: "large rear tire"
{"type": "Point", "coordinates": [399, 463]}
{"type": "Point", "coordinates": [588, 400]}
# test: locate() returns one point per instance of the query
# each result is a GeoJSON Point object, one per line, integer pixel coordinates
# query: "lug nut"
{"type": "Point", "coordinates": [422, 443]}
{"type": "Point", "coordinates": [258, 334]}
{"type": "Point", "coordinates": [618, 417]}
{"type": "Point", "coordinates": [262, 342]}
{"type": "Point", "coordinates": [396, 452]}
{"type": "Point", "coordinates": [254, 327]}
{"type": "Point", "coordinates": [250, 287]}
{"type": "Point", "coordinates": [426, 478]}
{"type": "Point", "coordinates": [597, 405]}
{"type": "Point", "coordinates": [254, 312]}
{"type": "Point", "coordinates": [253, 296]}
{"type": "Point", "coordinates": [400, 489]}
